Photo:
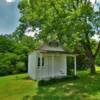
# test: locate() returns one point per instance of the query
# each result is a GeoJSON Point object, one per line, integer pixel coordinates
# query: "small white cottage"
{"type": "Point", "coordinates": [49, 61]}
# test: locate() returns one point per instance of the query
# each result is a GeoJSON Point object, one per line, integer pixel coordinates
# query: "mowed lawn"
{"type": "Point", "coordinates": [17, 87]}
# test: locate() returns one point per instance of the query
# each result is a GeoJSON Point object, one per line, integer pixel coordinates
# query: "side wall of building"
{"type": "Point", "coordinates": [32, 61]}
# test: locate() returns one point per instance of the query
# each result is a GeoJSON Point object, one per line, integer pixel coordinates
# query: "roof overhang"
{"type": "Point", "coordinates": [58, 52]}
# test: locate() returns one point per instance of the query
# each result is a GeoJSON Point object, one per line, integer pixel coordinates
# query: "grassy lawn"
{"type": "Point", "coordinates": [16, 87]}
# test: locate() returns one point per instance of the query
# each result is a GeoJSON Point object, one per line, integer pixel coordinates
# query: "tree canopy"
{"type": "Point", "coordinates": [70, 21]}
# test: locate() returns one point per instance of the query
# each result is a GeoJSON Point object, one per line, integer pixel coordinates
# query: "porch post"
{"type": "Point", "coordinates": [52, 65]}
{"type": "Point", "coordinates": [75, 65]}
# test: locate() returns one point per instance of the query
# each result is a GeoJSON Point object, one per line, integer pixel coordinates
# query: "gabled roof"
{"type": "Point", "coordinates": [46, 48]}
{"type": "Point", "coordinates": [60, 50]}
{"type": "Point", "coordinates": [52, 47]}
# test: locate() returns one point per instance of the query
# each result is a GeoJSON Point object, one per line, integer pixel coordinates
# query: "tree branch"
{"type": "Point", "coordinates": [88, 44]}
{"type": "Point", "coordinates": [85, 47]}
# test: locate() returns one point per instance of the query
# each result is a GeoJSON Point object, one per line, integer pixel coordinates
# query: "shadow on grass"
{"type": "Point", "coordinates": [53, 81]}
{"type": "Point", "coordinates": [85, 88]}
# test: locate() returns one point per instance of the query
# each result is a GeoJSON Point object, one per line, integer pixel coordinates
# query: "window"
{"type": "Point", "coordinates": [39, 62]}
{"type": "Point", "coordinates": [54, 43]}
{"type": "Point", "coordinates": [42, 61]}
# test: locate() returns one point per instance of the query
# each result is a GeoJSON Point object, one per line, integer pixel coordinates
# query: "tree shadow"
{"type": "Point", "coordinates": [85, 88]}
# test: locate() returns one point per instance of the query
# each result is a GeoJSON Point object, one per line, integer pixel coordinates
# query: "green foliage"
{"type": "Point", "coordinates": [14, 53]}
{"type": "Point", "coordinates": [20, 67]}
{"type": "Point", "coordinates": [70, 64]}
{"type": "Point", "coordinates": [7, 63]}
{"type": "Point", "coordinates": [98, 60]}
{"type": "Point", "coordinates": [58, 17]}
{"type": "Point", "coordinates": [72, 22]}
{"type": "Point", "coordinates": [5, 44]}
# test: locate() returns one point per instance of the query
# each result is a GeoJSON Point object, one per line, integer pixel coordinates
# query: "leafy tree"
{"type": "Point", "coordinates": [98, 60]}
{"type": "Point", "coordinates": [19, 32]}
{"type": "Point", "coordinates": [8, 63]}
{"type": "Point", "coordinates": [6, 44]}
{"type": "Point", "coordinates": [14, 51]}
{"type": "Point", "coordinates": [71, 21]}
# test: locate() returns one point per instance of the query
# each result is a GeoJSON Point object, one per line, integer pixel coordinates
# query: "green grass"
{"type": "Point", "coordinates": [16, 87]}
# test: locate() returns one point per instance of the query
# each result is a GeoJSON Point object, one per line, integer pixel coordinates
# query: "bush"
{"type": "Point", "coordinates": [20, 67]}
{"type": "Point", "coordinates": [6, 70]}
{"type": "Point", "coordinates": [13, 53]}
{"type": "Point", "coordinates": [11, 63]}
{"type": "Point", "coordinates": [98, 60]}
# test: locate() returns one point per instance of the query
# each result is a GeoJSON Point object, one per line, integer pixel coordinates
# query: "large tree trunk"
{"type": "Point", "coordinates": [91, 57]}
{"type": "Point", "coordinates": [92, 65]}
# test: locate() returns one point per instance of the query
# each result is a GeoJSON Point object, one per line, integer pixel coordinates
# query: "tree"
{"type": "Point", "coordinates": [71, 21]}
{"type": "Point", "coordinates": [14, 49]}
{"type": "Point", "coordinates": [6, 44]}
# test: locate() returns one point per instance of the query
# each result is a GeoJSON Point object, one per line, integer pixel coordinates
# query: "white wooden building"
{"type": "Point", "coordinates": [49, 61]}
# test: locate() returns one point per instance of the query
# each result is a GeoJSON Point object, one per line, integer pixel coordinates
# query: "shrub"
{"type": "Point", "coordinates": [5, 70]}
{"type": "Point", "coordinates": [20, 67]}
{"type": "Point", "coordinates": [98, 60]}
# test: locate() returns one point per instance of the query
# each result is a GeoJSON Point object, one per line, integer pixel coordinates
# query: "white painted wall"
{"type": "Point", "coordinates": [57, 69]}
{"type": "Point", "coordinates": [32, 65]}
{"type": "Point", "coordinates": [42, 72]}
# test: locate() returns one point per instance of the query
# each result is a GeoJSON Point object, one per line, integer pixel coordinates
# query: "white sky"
{"type": "Point", "coordinates": [10, 1]}
{"type": "Point", "coordinates": [30, 32]}
{"type": "Point", "coordinates": [93, 1]}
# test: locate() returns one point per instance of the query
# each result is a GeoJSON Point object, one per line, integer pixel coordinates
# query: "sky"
{"type": "Point", "coordinates": [9, 16]}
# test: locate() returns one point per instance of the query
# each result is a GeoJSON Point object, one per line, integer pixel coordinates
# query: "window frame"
{"type": "Point", "coordinates": [40, 63]}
